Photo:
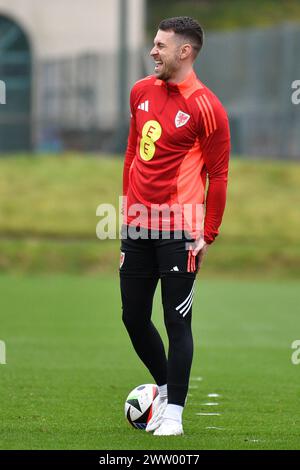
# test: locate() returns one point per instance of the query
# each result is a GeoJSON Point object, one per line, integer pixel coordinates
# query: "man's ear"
{"type": "Point", "coordinates": [186, 51]}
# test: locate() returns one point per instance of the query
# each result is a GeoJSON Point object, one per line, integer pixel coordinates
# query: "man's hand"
{"type": "Point", "coordinates": [200, 248]}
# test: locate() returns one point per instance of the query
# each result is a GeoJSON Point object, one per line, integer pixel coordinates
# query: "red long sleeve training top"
{"type": "Point", "coordinates": [179, 135]}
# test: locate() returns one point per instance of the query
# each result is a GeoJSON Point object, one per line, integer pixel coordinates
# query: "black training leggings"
{"type": "Point", "coordinates": [143, 263]}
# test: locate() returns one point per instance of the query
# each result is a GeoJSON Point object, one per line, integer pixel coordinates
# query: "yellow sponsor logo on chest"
{"type": "Point", "coordinates": [151, 133]}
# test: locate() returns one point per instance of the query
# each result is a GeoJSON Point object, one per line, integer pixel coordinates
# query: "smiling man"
{"type": "Point", "coordinates": [179, 138]}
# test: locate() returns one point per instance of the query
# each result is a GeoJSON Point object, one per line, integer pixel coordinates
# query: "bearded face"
{"type": "Point", "coordinates": [166, 55]}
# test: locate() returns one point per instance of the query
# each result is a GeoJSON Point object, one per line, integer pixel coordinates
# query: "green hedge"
{"type": "Point", "coordinates": [48, 216]}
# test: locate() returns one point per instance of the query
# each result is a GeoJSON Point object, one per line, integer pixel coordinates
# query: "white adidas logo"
{"type": "Point", "coordinates": [175, 268]}
{"type": "Point", "coordinates": [144, 106]}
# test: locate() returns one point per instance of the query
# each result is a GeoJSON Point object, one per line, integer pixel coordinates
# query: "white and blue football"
{"type": "Point", "coordinates": [140, 405]}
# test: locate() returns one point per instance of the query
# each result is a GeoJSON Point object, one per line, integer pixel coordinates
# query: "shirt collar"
{"type": "Point", "coordinates": [184, 87]}
{"type": "Point", "coordinates": [187, 83]}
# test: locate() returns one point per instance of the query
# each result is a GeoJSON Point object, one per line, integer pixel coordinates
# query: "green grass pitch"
{"type": "Point", "coordinates": [70, 366]}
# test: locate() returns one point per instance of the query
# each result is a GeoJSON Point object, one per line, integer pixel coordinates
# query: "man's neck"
{"type": "Point", "coordinates": [181, 75]}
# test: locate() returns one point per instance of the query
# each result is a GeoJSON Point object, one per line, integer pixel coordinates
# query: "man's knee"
{"type": "Point", "coordinates": [177, 326]}
{"type": "Point", "coordinates": [128, 318]}
{"type": "Point", "coordinates": [134, 321]}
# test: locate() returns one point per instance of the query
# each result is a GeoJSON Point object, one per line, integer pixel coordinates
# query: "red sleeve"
{"type": "Point", "coordinates": [215, 141]}
{"type": "Point", "coordinates": [131, 148]}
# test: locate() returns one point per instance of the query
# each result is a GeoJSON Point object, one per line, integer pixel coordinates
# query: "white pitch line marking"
{"type": "Point", "coordinates": [214, 427]}
{"type": "Point", "coordinates": [213, 395]}
{"type": "Point", "coordinates": [211, 403]}
{"type": "Point", "coordinates": [208, 414]}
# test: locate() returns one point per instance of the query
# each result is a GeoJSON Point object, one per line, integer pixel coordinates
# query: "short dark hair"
{"type": "Point", "coordinates": [186, 27]}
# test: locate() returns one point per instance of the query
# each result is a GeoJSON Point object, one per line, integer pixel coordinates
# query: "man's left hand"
{"type": "Point", "coordinates": [200, 248]}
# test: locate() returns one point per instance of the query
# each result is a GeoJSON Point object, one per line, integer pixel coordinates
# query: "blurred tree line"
{"type": "Point", "coordinates": [224, 14]}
